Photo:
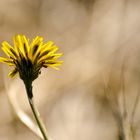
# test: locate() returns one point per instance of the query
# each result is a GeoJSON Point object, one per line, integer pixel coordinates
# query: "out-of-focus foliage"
{"type": "Point", "coordinates": [100, 40]}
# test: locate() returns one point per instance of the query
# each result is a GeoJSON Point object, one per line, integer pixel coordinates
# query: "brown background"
{"type": "Point", "coordinates": [94, 35]}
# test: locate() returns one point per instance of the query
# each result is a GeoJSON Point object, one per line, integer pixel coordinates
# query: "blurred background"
{"type": "Point", "coordinates": [100, 40]}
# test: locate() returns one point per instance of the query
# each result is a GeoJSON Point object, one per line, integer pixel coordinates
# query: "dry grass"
{"type": "Point", "coordinates": [100, 41]}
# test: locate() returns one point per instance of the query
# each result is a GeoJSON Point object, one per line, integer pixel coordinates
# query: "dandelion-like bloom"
{"type": "Point", "coordinates": [27, 59]}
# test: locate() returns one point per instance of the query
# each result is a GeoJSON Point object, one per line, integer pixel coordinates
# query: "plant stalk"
{"type": "Point", "coordinates": [28, 86]}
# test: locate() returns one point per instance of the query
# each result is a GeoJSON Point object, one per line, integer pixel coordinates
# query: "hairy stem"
{"type": "Point", "coordinates": [28, 86]}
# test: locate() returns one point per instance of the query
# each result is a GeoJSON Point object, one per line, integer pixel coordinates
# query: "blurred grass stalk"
{"type": "Point", "coordinates": [124, 118]}
{"type": "Point", "coordinates": [21, 115]}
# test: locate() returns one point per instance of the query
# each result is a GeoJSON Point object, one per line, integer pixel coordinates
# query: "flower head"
{"type": "Point", "coordinates": [28, 59]}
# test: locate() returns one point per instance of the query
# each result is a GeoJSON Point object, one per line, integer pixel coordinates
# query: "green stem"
{"type": "Point", "coordinates": [28, 86]}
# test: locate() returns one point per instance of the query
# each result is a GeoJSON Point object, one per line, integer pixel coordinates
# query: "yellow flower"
{"type": "Point", "coordinates": [27, 59]}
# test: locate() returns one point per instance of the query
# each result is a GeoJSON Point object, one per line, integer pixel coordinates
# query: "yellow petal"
{"type": "Point", "coordinates": [52, 66]}
{"type": "Point", "coordinates": [46, 46]}
{"type": "Point", "coordinates": [48, 57]}
{"type": "Point", "coordinates": [13, 73]}
{"type": "Point", "coordinates": [47, 53]}
{"type": "Point", "coordinates": [52, 63]}
{"type": "Point", "coordinates": [9, 51]}
{"type": "Point", "coordinates": [38, 41]}
{"type": "Point", "coordinates": [44, 58]}
{"type": "Point", "coordinates": [16, 45]}
{"type": "Point", "coordinates": [21, 45]}
{"type": "Point", "coordinates": [48, 50]}
{"type": "Point", "coordinates": [7, 61]}
{"type": "Point", "coordinates": [57, 55]}
{"type": "Point", "coordinates": [25, 44]}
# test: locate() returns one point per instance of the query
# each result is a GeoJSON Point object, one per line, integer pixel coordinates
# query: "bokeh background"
{"type": "Point", "coordinates": [96, 37]}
